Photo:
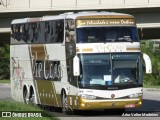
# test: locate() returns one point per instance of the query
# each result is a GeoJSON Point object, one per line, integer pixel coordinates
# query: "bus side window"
{"type": "Point", "coordinates": [59, 32]}
{"type": "Point", "coordinates": [69, 31]}
{"type": "Point", "coordinates": [41, 37]}
{"type": "Point", "coordinates": [25, 30]}
{"type": "Point", "coordinates": [55, 36]}
{"type": "Point", "coordinates": [13, 31]}
{"type": "Point", "coordinates": [13, 34]}
{"type": "Point", "coordinates": [52, 29]}
{"type": "Point", "coordinates": [18, 32]}
{"type": "Point", "coordinates": [47, 31]}
{"type": "Point", "coordinates": [34, 32]}
{"type": "Point", "coordinates": [30, 33]}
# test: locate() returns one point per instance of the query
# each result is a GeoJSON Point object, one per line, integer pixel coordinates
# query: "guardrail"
{"type": "Point", "coordinates": [27, 5]}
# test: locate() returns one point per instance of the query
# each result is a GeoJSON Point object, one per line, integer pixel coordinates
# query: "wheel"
{"type": "Point", "coordinates": [32, 98]}
{"type": "Point", "coordinates": [65, 107]}
{"type": "Point", "coordinates": [64, 102]}
{"type": "Point", "coordinates": [26, 97]}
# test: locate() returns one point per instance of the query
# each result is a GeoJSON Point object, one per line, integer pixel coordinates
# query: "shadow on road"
{"type": "Point", "coordinates": [91, 113]}
{"type": "Point", "coordinates": [149, 106]}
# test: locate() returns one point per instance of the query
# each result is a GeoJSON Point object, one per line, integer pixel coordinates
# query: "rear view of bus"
{"type": "Point", "coordinates": [109, 67]}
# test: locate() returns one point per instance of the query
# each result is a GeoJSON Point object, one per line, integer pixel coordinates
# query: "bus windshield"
{"type": "Point", "coordinates": [109, 69]}
{"type": "Point", "coordinates": [107, 34]}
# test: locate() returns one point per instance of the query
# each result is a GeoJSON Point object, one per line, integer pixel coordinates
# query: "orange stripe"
{"type": "Point", "coordinates": [133, 48]}
{"type": "Point", "coordinates": [84, 50]}
{"type": "Point", "coordinates": [87, 49]}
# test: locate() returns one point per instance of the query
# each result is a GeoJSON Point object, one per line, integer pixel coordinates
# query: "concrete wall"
{"type": "Point", "coordinates": [45, 5]}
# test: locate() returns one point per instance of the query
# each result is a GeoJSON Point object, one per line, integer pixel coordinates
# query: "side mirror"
{"type": "Point", "coordinates": [148, 64]}
{"type": "Point", "coordinates": [76, 66]}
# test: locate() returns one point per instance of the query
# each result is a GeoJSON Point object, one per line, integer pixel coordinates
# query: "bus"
{"type": "Point", "coordinates": [78, 61]}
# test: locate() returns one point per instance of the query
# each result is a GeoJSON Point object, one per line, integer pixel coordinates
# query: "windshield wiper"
{"type": "Point", "coordinates": [110, 40]}
{"type": "Point", "coordinates": [92, 84]}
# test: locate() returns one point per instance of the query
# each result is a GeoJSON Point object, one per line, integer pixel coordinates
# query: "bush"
{"type": "Point", "coordinates": [148, 48]}
{"type": "Point", "coordinates": [5, 62]}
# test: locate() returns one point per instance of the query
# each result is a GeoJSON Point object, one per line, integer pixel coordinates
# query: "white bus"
{"type": "Point", "coordinates": [77, 61]}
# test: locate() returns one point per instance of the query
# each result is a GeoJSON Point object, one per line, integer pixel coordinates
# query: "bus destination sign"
{"type": "Point", "coordinates": [105, 22]}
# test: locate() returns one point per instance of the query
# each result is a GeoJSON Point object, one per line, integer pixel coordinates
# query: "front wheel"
{"type": "Point", "coordinates": [65, 107]}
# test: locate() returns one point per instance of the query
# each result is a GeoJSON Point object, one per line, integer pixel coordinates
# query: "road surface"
{"type": "Point", "coordinates": [151, 104]}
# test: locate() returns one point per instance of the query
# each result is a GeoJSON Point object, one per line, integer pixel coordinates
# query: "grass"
{"type": "Point", "coordinates": [4, 81]}
{"type": "Point", "coordinates": [12, 106]}
{"type": "Point", "coordinates": [150, 86]}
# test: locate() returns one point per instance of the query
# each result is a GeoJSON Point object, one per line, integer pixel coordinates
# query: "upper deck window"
{"type": "Point", "coordinates": [107, 34]}
{"type": "Point", "coordinates": [41, 32]}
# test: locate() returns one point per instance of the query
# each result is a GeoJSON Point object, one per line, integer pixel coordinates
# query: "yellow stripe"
{"type": "Point", "coordinates": [46, 92]}
{"type": "Point", "coordinates": [38, 51]}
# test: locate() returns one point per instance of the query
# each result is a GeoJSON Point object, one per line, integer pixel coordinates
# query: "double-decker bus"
{"type": "Point", "coordinates": [77, 61]}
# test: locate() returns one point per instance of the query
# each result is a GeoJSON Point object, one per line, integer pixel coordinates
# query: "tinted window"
{"type": "Point", "coordinates": [38, 32]}
{"type": "Point", "coordinates": [107, 34]}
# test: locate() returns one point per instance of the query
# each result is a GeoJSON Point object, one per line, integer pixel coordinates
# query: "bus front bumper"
{"type": "Point", "coordinates": [110, 104]}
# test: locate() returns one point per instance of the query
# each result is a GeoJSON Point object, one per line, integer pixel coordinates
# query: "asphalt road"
{"type": "Point", "coordinates": [151, 105]}
{"type": "Point", "coordinates": [5, 92]}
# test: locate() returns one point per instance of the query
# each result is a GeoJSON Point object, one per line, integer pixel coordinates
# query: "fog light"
{"type": "Point", "coordinates": [140, 103]}
{"type": "Point", "coordinates": [135, 95]}
{"type": "Point", "coordinates": [82, 104]}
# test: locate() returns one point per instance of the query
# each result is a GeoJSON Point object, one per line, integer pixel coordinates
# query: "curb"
{"type": "Point", "coordinates": [152, 89]}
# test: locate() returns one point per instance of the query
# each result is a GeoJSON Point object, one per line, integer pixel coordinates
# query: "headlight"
{"type": "Point", "coordinates": [135, 95]}
{"type": "Point", "coordinates": [88, 96]}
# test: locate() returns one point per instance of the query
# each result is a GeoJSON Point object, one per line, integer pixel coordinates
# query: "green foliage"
{"type": "Point", "coordinates": [148, 48]}
{"type": "Point", "coordinates": [4, 61]}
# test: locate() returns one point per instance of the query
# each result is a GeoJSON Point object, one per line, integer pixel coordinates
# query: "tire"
{"type": "Point", "coordinates": [32, 98]}
{"type": "Point", "coordinates": [65, 107]}
{"type": "Point", "coordinates": [26, 96]}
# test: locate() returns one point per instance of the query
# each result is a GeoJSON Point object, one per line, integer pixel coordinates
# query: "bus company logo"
{"type": "Point", "coordinates": [21, 114]}
{"type": "Point", "coordinates": [105, 22]}
{"type": "Point", "coordinates": [110, 48]}
{"type": "Point", "coordinates": [47, 69]}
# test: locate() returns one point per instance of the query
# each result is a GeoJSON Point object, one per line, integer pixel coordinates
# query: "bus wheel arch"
{"type": "Point", "coordinates": [25, 95]}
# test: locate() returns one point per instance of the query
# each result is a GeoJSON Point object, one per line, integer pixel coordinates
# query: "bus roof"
{"type": "Point", "coordinates": [102, 14]}
{"type": "Point", "coordinates": [71, 15]}
{"type": "Point", "coordinates": [25, 20]}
